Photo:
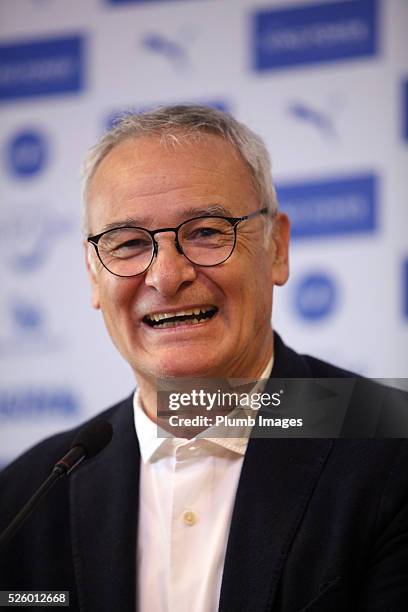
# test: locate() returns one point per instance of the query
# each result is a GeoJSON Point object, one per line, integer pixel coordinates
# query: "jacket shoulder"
{"type": "Point", "coordinates": [324, 369]}
{"type": "Point", "coordinates": [290, 364]}
{"type": "Point", "coordinates": [28, 471]}
{"type": "Point", "coordinates": [39, 556]}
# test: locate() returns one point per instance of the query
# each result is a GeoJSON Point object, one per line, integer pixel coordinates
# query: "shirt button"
{"type": "Point", "coordinates": [189, 518]}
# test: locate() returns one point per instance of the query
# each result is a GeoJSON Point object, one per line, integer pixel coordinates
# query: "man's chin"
{"type": "Point", "coordinates": [179, 366]}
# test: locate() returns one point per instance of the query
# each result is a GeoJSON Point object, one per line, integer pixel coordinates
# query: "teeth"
{"type": "Point", "coordinates": [167, 315]}
{"type": "Point", "coordinates": [177, 323]}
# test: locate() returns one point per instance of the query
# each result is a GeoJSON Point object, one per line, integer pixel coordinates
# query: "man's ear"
{"type": "Point", "coordinates": [280, 245]}
{"type": "Point", "coordinates": [92, 274]}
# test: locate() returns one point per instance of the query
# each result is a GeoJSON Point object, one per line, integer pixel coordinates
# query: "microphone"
{"type": "Point", "coordinates": [87, 443]}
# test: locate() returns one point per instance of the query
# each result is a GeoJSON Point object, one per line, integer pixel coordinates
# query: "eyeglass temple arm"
{"type": "Point", "coordinates": [262, 211]}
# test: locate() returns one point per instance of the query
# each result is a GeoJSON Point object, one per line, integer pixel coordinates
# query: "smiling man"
{"type": "Point", "coordinates": [184, 247]}
{"type": "Point", "coordinates": [190, 306]}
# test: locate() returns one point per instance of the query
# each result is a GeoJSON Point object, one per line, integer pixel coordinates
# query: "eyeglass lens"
{"type": "Point", "coordinates": [206, 241]}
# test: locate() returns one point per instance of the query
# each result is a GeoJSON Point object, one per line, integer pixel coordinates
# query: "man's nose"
{"type": "Point", "coordinates": [169, 270]}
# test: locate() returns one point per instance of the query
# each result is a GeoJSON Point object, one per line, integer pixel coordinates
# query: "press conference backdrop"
{"type": "Point", "coordinates": [324, 83]}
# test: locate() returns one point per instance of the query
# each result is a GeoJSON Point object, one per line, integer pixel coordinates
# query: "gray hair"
{"type": "Point", "coordinates": [191, 121]}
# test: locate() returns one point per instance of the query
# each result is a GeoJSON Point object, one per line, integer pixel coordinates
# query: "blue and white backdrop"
{"type": "Point", "coordinates": [325, 83]}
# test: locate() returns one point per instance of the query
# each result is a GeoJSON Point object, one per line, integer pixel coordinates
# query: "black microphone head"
{"type": "Point", "coordinates": [94, 437]}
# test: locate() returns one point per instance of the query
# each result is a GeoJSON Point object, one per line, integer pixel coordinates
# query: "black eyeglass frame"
{"type": "Point", "coordinates": [234, 221]}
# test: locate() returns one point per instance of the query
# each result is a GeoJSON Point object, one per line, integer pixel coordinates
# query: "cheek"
{"type": "Point", "coordinates": [116, 298]}
{"type": "Point", "coordinates": [260, 293]}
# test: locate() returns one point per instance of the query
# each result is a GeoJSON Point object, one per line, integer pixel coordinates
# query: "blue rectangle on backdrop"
{"type": "Point", "coordinates": [338, 206]}
{"type": "Point", "coordinates": [42, 67]}
{"type": "Point", "coordinates": [313, 34]}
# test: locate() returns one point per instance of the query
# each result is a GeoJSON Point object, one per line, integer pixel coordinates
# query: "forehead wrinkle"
{"type": "Point", "coordinates": [162, 190]}
{"type": "Point", "coordinates": [167, 176]}
{"type": "Point", "coordinates": [131, 158]}
{"type": "Point", "coordinates": [129, 165]}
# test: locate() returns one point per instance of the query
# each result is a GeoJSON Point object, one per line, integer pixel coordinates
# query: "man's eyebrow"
{"type": "Point", "coordinates": [129, 222]}
{"type": "Point", "coordinates": [211, 209]}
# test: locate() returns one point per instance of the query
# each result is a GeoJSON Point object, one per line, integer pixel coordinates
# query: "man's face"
{"type": "Point", "coordinates": [150, 184]}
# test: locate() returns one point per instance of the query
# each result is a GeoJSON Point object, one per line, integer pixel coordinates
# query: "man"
{"type": "Point", "coordinates": [185, 245]}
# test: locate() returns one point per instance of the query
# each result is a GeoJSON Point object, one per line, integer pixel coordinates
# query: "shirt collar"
{"type": "Point", "coordinates": [153, 447]}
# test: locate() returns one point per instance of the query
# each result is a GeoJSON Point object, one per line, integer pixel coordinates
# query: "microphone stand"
{"type": "Point", "coordinates": [61, 469]}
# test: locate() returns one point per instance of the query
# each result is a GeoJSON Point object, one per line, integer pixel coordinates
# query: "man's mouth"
{"type": "Point", "coordinates": [192, 316]}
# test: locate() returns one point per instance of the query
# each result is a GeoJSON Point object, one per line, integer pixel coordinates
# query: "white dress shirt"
{"type": "Point", "coordinates": [186, 498]}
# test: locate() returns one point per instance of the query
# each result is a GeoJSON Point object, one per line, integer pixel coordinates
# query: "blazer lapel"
{"type": "Point", "coordinates": [277, 479]}
{"type": "Point", "coordinates": [104, 508]}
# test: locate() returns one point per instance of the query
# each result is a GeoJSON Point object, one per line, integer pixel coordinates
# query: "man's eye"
{"type": "Point", "coordinates": [130, 248]}
{"type": "Point", "coordinates": [136, 243]}
{"type": "Point", "coordinates": [203, 232]}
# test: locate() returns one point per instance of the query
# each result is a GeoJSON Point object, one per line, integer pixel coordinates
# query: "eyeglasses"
{"type": "Point", "coordinates": [204, 241]}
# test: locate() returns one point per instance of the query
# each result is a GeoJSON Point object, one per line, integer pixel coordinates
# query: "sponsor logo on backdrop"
{"type": "Point", "coordinates": [312, 34]}
{"type": "Point", "coordinates": [405, 288]}
{"type": "Point", "coordinates": [320, 120]}
{"type": "Point", "coordinates": [33, 403]}
{"type": "Point", "coordinates": [27, 153]}
{"type": "Point", "coordinates": [405, 110]}
{"type": "Point", "coordinates": [315, 296]}
{"type": "Point", "coordinates": [27, 317]}
{"type": "Point", "coordinates": [169, 48]}
{"type": "Point", "coordinates": [25, 330]}
{"type": "Point", "coordinates": [42, 67]}
{"type": "Point", "coordinates": [327, 207]}
{"type": "Point", "coordinates": [29, 235]}
{"type": "Point", "coordinates": [116, 115]}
